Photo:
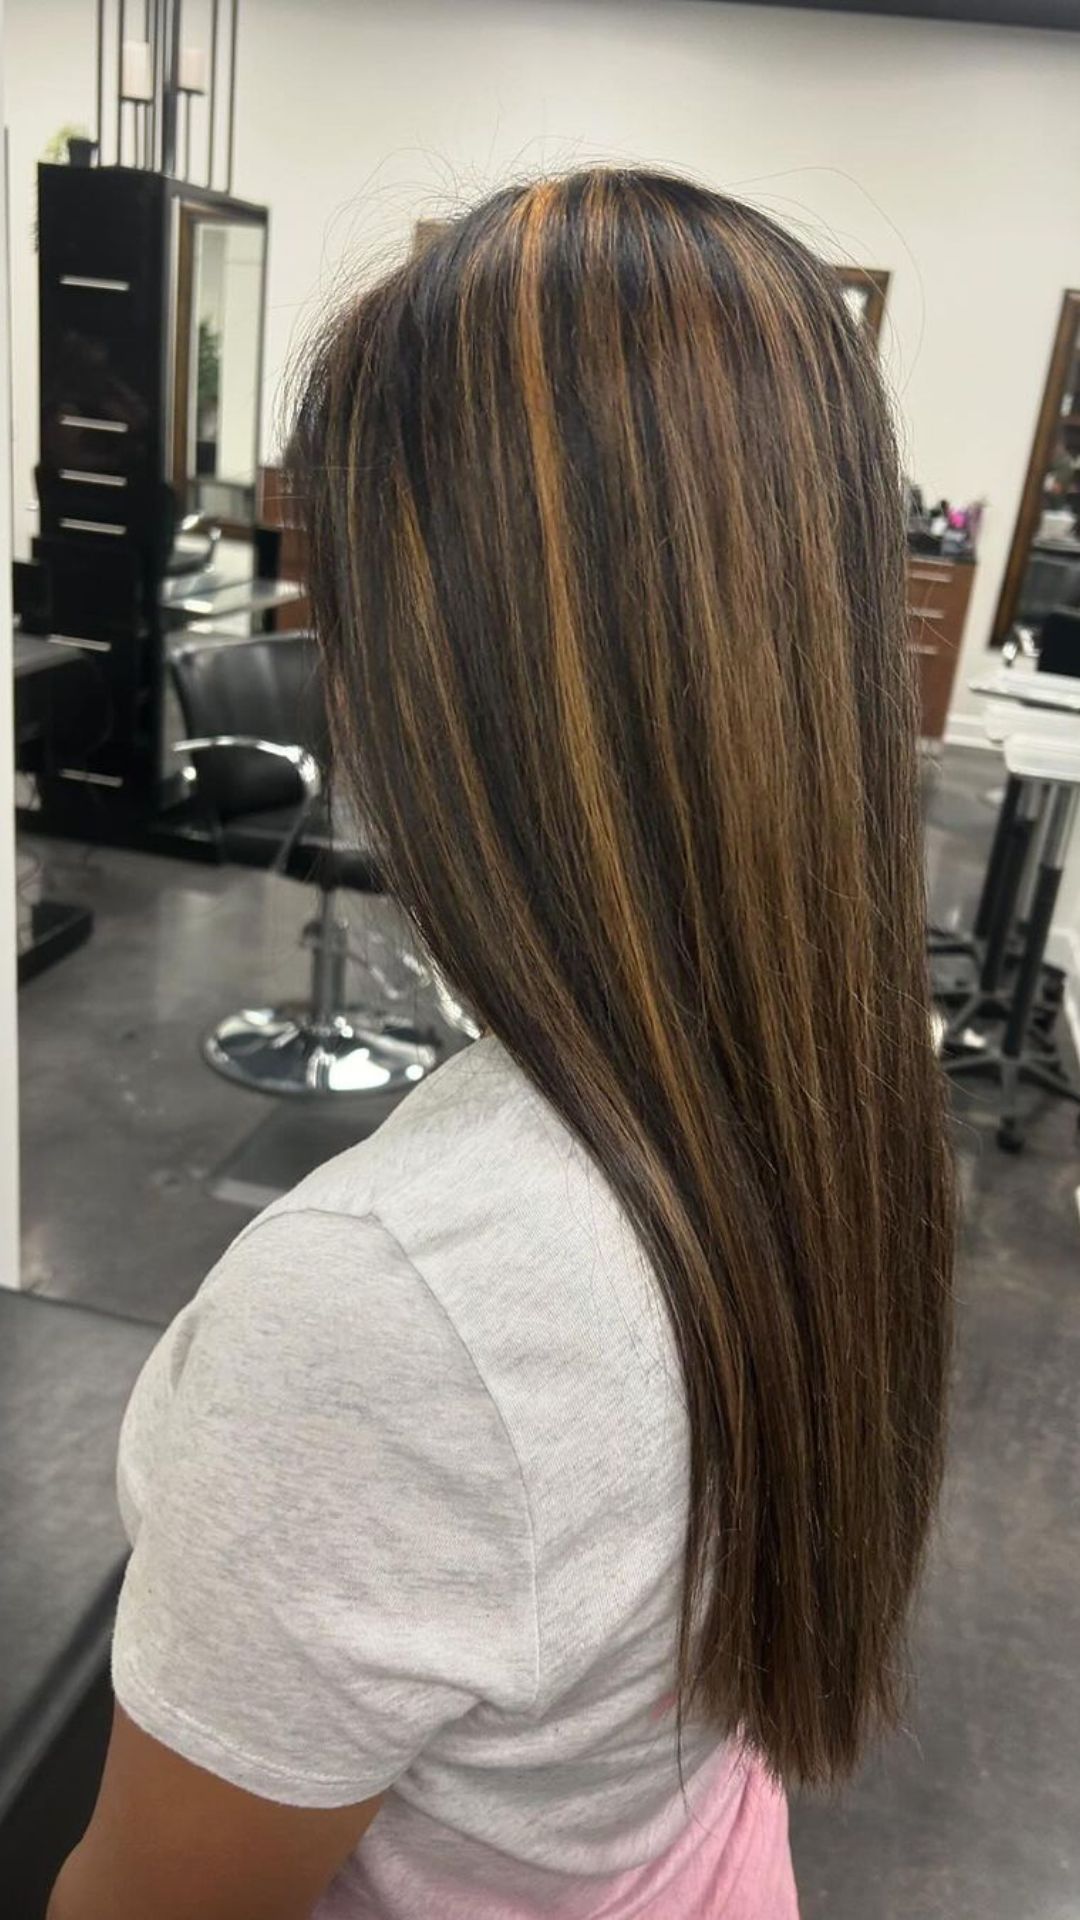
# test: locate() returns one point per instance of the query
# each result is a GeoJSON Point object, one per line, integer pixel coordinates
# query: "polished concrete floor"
{"type": "Point", "coordinates": [972, 1813]}
{"type": "Point", "coordinates": [127, 1136]}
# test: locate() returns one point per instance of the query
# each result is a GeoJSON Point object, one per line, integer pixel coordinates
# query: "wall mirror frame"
{"type": "Point", "coordinates": [866, 290]}
{"type": "Point", "coordinates": [216, 388]}
{"type": "Point", "coordinates": [1055, 447]}
{"type": "Point", "coordinates": [425, 231]}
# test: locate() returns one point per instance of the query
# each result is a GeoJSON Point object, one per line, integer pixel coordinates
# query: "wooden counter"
{"type": "Point", "coordinates": [938, 594]}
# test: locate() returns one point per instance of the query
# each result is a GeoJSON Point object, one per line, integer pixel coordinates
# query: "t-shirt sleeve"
{"type": "Point", "coordinates": [332, 1556]}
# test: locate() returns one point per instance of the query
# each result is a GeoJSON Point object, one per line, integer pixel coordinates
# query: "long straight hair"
{"type": "Point", "coordinates": [607, 570]}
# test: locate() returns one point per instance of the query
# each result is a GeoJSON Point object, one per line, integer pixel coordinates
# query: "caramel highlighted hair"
{"type": "Point", "coordinates": [608, 576]}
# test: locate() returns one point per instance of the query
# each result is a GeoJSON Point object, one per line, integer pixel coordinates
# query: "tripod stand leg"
{"type": "Point", "coordinates": [1002, 831]}
{"type": "Point", "coordinates": [1011, 874]}
{"type": "Point", "coordinates": [1043, 899]}
{"type": "Point", "coordinates": [1010, 1137]}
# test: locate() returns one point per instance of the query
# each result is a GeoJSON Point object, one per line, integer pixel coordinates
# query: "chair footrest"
{"type": "Point", "coordinates": [282, 1050]}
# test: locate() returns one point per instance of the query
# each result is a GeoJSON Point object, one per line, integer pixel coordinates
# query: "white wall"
{"type": "Point", "coordinates": [944, 152]}
{"type": "Point", "coordinates": [9, 1074]}
{"type": "Point", "coordinates": [947, 153]}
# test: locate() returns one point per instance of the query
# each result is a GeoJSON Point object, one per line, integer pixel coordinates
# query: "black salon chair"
{"type": "Point", "coordinates": [1059, 651]}
{"type": "Point", "coordinates": [1051, 586]}
{"type": "Point", "coordinates": [257, 740]}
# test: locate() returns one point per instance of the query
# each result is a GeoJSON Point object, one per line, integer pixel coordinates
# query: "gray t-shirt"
{"type": "Point", "coordinates": [407, 1489]}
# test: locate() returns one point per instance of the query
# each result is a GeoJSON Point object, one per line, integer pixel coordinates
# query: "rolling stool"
{"type": "Point", "coordinates": [256, 743]}
{"type": "Point", "coordinates": [1043, 762]}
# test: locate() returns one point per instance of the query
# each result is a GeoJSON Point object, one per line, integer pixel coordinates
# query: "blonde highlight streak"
{"type": "Point", "coordinates": [587, 760]}
{"type": "Point", "coordinates": [788, 1043]}
{"type": "Point", "coordinates": [606, 359]}
{"type": "Point", "coordinates": [422, 609]}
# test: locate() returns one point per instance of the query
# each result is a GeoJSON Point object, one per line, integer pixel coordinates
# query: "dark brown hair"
{"type": "Point", "coordinates": [607, 568]}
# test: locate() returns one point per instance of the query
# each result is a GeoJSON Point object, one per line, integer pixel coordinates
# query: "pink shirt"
{"type": "Point", "coordinates": [731, 1862]}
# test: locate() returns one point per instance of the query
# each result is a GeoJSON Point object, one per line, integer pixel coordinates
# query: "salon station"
{"type": "Point", "coordinates": [206, 986]}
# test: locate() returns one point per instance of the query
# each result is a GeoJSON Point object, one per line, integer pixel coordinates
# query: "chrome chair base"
{"type": "Point", "coordinates": [283, 1050]}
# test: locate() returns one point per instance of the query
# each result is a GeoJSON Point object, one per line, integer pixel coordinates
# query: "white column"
{"type": "Point", "coordinates": [1064, 944]}
{"type": "Point", "coordinates": [9, 1058]}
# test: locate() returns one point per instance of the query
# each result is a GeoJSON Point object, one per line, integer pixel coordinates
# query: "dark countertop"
{"type": "Point", "coordinates": [65, 1376]}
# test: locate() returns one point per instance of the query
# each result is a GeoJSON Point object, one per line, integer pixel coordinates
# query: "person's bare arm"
{"type": "Point", "coordinates": [168, 1840]}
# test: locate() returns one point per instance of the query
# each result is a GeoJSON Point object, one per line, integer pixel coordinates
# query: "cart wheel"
{"type": "Point", "coordinates": [1009, 1137]}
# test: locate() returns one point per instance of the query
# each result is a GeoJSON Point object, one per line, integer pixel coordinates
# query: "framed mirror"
{"type": "Point", "coordinates": [220, 299]}
{"type": "Point", "coordinates": [866, 290]}
{"type": "Point", "coordinates": [1043, 568]}
{"type": "Point", "coordinates": [425, 231]}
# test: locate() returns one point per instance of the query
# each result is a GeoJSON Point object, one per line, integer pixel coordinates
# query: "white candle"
{"type": "Point", "coordinates": [136, 79]}
{"type": "Point", "coordinates": [192, 70]}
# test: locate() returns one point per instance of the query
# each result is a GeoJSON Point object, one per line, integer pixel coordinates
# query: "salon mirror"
{"type": "Point", "coordinates": [1043, 569]}
{"type": "Point", "coordinates": [865, 291]}
{"type": "Point", "coordinates": [219, 327]}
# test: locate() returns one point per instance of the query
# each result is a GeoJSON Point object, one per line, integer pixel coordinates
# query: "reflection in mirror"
{"type": "Point", "coordinates": [219, 324]}
{"type": "Point", "coordinates": [425, 231]}
{"type": "Point", "coordinates": [1043, 570]}
{"type": "Point", "coordinates": [865, 291]}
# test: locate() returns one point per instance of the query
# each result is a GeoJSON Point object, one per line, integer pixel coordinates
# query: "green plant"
{"type": "Point", "coordinates": [56, 150]}
{"type": "Point", "coordinates": [208, 376]}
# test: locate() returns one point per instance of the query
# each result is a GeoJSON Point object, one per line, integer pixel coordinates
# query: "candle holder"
{"type": "Point", "coordinates": [154, 73]}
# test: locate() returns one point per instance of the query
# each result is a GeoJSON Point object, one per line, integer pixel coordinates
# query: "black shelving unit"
{"type": "Point", "coordinates": [110, 248]}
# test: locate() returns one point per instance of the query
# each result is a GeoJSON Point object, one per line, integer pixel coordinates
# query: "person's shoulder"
{"type": "Point", "coordinates": [477, 1195]}
{"type": "Point", "coordinates": [305, 1297]}
{"type": "Point", "coordinates": [354, 1224]}
{"type": "Point", "coordinates": [474, 1126]}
